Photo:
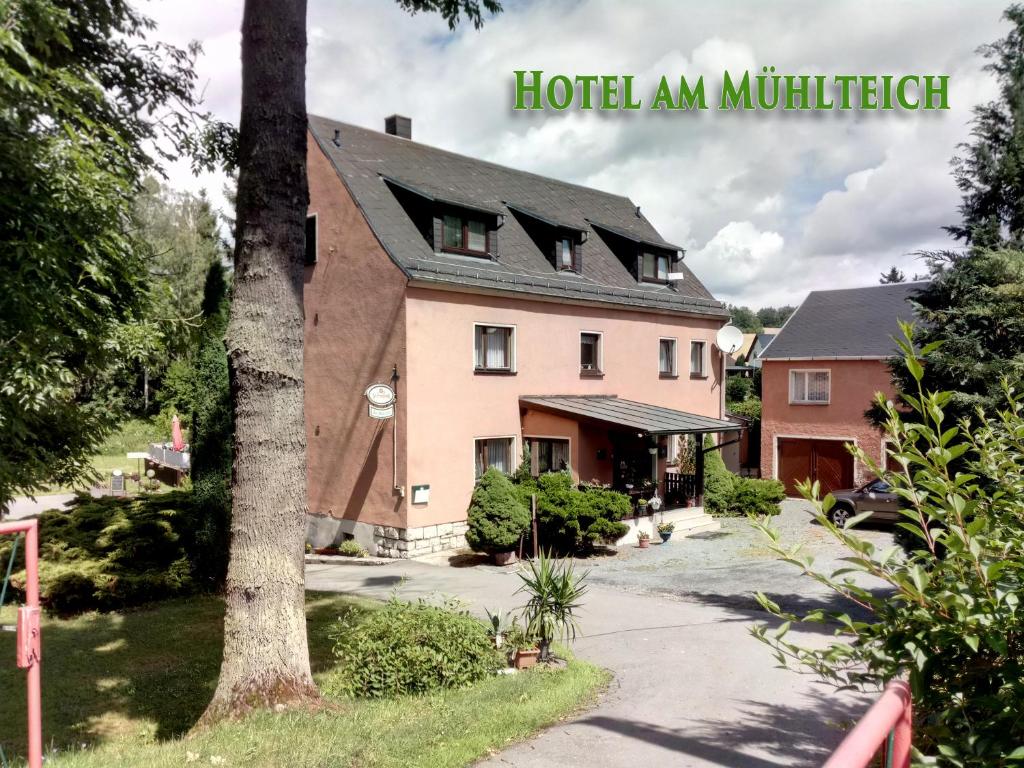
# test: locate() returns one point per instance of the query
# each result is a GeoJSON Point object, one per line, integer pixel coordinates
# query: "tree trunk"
{"type": "Point", "coordinates": [266, 657]}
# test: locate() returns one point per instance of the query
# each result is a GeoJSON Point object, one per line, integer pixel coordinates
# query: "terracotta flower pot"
{"type": "Point", "coordinates": [526, 659]}
{"type": "Point", "coordinates": [504, 558]}
{"type": "Point", "coordinates": [643, 543]}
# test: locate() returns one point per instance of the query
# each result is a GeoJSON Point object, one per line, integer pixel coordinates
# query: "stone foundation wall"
{"type": "Point", "coordinates": [413, 542]}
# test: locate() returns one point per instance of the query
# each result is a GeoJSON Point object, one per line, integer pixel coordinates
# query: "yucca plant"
{"type": "Point", "coordinates": [555, 591]}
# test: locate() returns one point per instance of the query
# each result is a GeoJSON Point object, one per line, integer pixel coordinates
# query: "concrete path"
{"type": "Point", "coordinates": [691, 687]}
{"type": "Point", "coordinates": [25, 506]}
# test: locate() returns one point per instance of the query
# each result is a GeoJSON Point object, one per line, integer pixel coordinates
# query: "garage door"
{"type": "Point", "coordinates": [826, 461]}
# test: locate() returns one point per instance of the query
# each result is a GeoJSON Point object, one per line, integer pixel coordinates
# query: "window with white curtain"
{"type": "Point", "coordinates": [667, 357]}
{"type": "Point", "coordinates": [494, 348]}
{"type": "Point", "coordinates": [493, 452]}
{"type": "Point", "coordinates": [698, 354]}
{"type": "Point", "coordinates": [809, 387]}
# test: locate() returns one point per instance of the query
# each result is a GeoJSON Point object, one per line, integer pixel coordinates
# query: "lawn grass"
{"type": "Point", "coordinates": [124, 689]}
{"type": "Point", "coordinates": [133, 435]}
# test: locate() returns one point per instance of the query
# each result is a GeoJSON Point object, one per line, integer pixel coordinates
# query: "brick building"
{"type": "Point", "coordinates": [819, 376]}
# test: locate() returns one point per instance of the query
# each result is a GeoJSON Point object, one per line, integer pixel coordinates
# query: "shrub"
{"type": "Point", "coordinates": [113, 552]}
{"type": "Point", "coordinates": [719, 483]}
{"type": "Point", "coordinates": [409, 648]}
{"type": "Point", "coordinates": [571, 520]}
{"type": "Point", "coordinates": [351, 548]}
{"type": "Point", "coordinates": [738, 388]}
{"type": "Point", "coordinates": [756, 497]}
{"type": "Point", "coordinates": [950, 624]}
{"type": "Point", "coordinates": [497, 518]}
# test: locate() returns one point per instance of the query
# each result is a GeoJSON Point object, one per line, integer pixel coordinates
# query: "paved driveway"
{"type": "Point", "coordinates": [692, 687]}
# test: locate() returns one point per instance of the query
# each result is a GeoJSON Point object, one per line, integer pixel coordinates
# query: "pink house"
{"type": "Point", "coordinates": [507, 311]}
{"type": "Point", "coordinates": [818, 377]}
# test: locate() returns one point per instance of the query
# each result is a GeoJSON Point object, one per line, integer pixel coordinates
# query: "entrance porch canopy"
{"type": "Point", "coordinates": [629, 414]}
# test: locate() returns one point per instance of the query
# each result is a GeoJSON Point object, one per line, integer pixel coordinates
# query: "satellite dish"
{"type": "Point", "coordinates": [729, 339]}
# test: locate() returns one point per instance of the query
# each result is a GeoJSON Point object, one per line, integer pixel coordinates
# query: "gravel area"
{"type": "Point", "coordinates": [726, 567]}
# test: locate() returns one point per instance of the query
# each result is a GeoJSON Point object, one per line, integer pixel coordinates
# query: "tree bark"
{"type": "Point", "coordinates": [266, 656]}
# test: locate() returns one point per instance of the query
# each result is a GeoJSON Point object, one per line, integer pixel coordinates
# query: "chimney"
{"type": "Point", "coordinates": [399, 126]}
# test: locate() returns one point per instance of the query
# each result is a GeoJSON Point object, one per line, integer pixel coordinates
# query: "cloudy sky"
{"type": "Point", "coordinates": [768, 205]}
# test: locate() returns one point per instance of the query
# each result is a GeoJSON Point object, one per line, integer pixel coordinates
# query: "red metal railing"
{"type": "Point", "coordinates": [29, 651]}
{"type": "Point", "coordinates": [886, 726]}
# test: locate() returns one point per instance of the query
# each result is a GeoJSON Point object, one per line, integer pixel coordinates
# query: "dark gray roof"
{"type": "Point", "coordinates": [764, 339]}
{"type": "Point", "coordinates": [855, 322]}
{"type": "Point", "coordinates": [642, 417]}
{"type": "Point", "coordinates": [368, 161]}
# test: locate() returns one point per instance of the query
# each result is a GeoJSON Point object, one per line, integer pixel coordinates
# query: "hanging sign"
{"type": "Point", "coordinates": [382, 413]}
{"type": "Point", "coordinates": [382, 401]}
{"type": "Point", "coordinates": [380, 395]}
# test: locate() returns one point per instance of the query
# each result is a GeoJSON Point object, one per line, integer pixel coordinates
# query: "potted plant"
{"type": "Point", "coordinates": [665, 531]}
{"type": "Point", "coordinates": [643, 539]}
{"type": "Point", "coordinates": [641, 507]}
{"type": "Point", "coordinates": [554, 590]}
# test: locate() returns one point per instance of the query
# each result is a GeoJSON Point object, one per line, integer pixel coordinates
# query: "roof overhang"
{"type": "Point", "coordinates": [635, 238]}
{"type": "Point", "coordinates": [821, 357]}
{"type": "Point", "coordinates": [435, 197]}
{"type": "Point", "coordinates": [628, 414]}
{"type": "Point", "coordinates": [544, 219]}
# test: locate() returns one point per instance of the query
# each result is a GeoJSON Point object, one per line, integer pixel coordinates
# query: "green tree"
{"type": "Point", "coordinates": [212, 424]}
{"type": "Point", "coordinates": [974, 307]}
{"type": "Point", "coordinates": [84, 103]}
{"type": "Point", "coordinates": [266, 654]}
{"type": "Point", "coordinates": [738, 389]}
{"type": "Point", "coordinates": [745, 319]}
{"type": "Point", "coordinates": [990, 170]}
{"type": "Point", "coordinates": [892, 276]}
{"type": "Point", "coordinates": [774, 317]}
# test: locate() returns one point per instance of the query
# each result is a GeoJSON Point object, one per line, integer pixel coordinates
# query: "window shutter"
{"type": "Point", "coordinates": [577, 256]}
{"type": "Point", "coordinates": [534, 458]}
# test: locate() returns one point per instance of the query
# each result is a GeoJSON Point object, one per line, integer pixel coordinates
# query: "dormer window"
{"type": "Point", "coordinates": [465, 235]}
{"type": "Point", "coordinates": [565, 253]}
{"type": "Point", "coordinates": [655, 268]}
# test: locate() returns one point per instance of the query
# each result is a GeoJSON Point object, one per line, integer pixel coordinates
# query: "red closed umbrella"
{"type": "Point", "coordinates": [177, 441]}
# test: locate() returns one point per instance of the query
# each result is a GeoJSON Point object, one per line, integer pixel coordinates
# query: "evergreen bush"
{"type": "Point", "coordinates": [497, 518]}
{"type": "Point", "coordinates": [114, 552]}
{"type": "Point", "coordinates": [572, 520]}
{"type": "Point", "coordinates": [212, 434]}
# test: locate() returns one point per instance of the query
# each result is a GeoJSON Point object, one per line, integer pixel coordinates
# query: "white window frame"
{"type": "Point", "coordinates": [704, 363]}
{"type": "Point", "coordinates": [805, 372]}
{"type": "Point", "coordinates": [600, 351]}
{"type": "Point", "coordinates": [512, 348]}
{"type": "Point", "coordinates": [674, 373]}
{"type": "Point", "coordinates": [514, 457]}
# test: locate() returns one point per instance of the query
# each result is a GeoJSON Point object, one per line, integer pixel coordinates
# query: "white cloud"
{"type": "Point", "coordinates": [769, 205]}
